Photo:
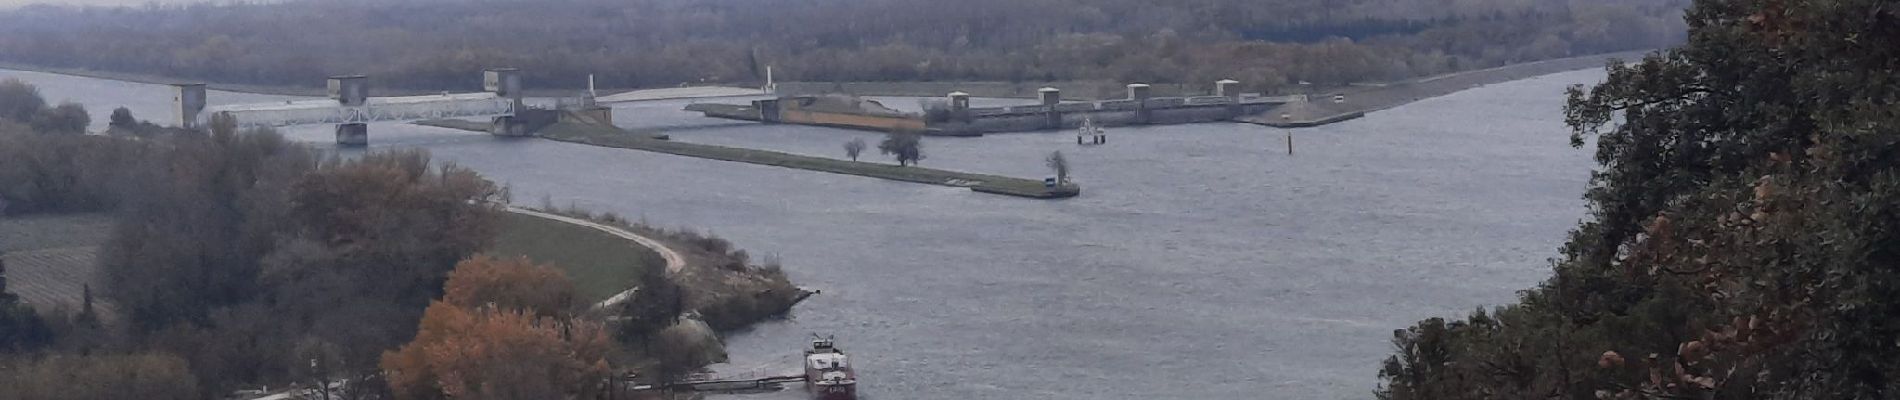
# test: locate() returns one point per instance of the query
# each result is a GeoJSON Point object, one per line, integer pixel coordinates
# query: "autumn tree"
{"type": "Point", "coordinates": [489, 340]}
{"type": "Point", "coordinates": [238, 245]}
{"type": "Point", "coordinates": [511, 283]}
{"type": "Point", "coordinates": [1743, 221]}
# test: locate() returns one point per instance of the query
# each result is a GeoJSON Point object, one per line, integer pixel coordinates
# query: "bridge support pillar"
{"type": "Point", "coordinates": [1140, 93]}
{"type": "Point", "coordinates": [1229, 89]}
{"type": "Point", "coordinates": [1050, 98]}
{"type": "Point", "coordinates": [352, 135]}
{"type": "Point", "coordinates": [187, 103]}
{"type": "Point", "coordinates": [508, 126]}
{"type": "Point", "coordinates": [506, 83]}
{"type": "Point", "coordinates": [350, 91]}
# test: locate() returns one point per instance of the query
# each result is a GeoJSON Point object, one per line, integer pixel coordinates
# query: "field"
{"type": "Point", "coordinates": [600, 264]}
{"type": "Point", "coordinates": [50, 259]}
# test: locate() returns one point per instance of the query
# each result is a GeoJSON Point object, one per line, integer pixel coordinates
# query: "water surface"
{"type": "Point", "coordinates": [1202, 261]}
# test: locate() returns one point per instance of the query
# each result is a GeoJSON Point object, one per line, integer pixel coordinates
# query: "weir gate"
{"type": "Point", "coordinates": [958, 118]}
{"type": "Point", "coordinates": [350, 108]}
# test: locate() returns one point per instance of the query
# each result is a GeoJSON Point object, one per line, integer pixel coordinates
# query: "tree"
{"type": "Point", "coordinates": [1060, 165]}
{"type": "Point", "coordinates": [122, 119]}
{"type": "Point", "coordinates": [20, 101]}
{"type": "Point", "coordinates": [1742, 221]}
{"type": "Point", "coordinates": [512, 284]}
{"type": "Point", "coordinates": [906, 147]}
{"type": "Point", "coordinates": [656, 304]}
{"type": "Point", "coordinates": [490, 353]}
{"type": "Point", "coordinates": [67, 118]}
{"type": "Point", "coordinates": [853, 147]}
{"type": "Point", "coordinates": [503, 330]}
{"type": "Point", "coordinates": [317, 363]}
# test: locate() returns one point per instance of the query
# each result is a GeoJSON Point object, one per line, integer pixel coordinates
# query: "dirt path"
{"type": "Point", "coordinates": [674, 261]}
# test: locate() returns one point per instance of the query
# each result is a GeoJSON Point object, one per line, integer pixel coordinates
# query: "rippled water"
{"type": "Point", "coordinates": [1201, 262]}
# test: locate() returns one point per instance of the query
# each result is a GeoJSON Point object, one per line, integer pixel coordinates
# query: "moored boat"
{"type": "Point", "coordinates": [828, 373]}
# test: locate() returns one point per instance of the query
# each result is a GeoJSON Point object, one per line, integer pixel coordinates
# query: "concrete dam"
{"type": "Point", "coordinates": [958, 118]}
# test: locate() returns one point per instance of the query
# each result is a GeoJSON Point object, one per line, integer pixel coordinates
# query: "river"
{"type": "Point", "coordinates": [1201, 262]}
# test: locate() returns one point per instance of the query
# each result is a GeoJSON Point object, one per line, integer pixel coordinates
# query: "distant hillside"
{"type": "Point", "coordinates": [441, 44]}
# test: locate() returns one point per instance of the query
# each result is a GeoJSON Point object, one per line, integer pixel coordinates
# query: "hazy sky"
{"type": "Point", "coordinates": [10, 4]}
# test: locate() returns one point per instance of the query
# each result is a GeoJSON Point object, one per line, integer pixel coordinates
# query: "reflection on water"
{"type": "Point", "coordinates": [1201, 262]}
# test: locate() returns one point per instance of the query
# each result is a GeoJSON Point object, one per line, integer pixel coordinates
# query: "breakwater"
{"type": "Point", "coordinates": [609, 136]}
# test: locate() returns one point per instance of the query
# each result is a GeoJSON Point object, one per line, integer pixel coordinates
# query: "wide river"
{"type": "Point", "coordinates": [1202, 261]}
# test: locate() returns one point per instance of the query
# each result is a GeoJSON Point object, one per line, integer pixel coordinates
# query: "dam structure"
{"type": "Point", "coordinates": [351, 108]}
{"type": "Point", "coordinates": [957, 118]}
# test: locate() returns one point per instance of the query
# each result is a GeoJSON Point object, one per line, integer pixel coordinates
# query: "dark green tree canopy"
{"type": "Point", "coordinates": [1745, 226]}
{"type": "Point", "coordinates": [907, 148]}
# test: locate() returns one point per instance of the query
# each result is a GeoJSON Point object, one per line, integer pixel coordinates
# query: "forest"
{"type": "Point", "coordinates": [444, 44]}
{"type": "Point", "coordinates": [240, 259]}
{"type": "Point", "coordinates": [1744, 227]}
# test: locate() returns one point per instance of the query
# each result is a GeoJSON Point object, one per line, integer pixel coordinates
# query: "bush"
{"type": "Point", "coordinates": [67, 118]}
{"type": "Point", "coordinates": [154, 376]}
{"type": "Point", "coordinates": [19, 101]}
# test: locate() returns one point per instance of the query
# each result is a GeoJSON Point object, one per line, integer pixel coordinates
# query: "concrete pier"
{"type": "Point", "coordinates": [187, 101]}
{"type": "Point", "coordinates": [353, 135]}
{"type": "Point", "coordinates": [1140, 93]}
{"type": "Point", "coordinates": [506, 83]}
{"type": "Point", "coordinates": [1051, 97]}
{"type": "Point", "coordinates": [350, 91]}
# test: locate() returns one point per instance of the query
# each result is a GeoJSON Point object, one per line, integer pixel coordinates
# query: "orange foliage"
{"type": "Point", "coordinates": [501, 332]}
{"type": "Point", "coordinates": [511, 284]}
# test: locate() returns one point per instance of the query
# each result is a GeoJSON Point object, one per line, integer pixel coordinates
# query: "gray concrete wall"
{"type": "Point", "coordinates": [1107, 113]}
{"type": "Point", "coordinates": [1023, 90]}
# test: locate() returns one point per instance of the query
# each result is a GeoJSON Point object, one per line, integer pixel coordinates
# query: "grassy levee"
{"type": "Point", "coordinates": [600, 264]}
{"type": "Point", "coordinates": [614, 137]}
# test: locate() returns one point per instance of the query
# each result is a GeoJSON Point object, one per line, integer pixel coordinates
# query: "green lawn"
{"type": "Point", "coordinates": [599, 264]}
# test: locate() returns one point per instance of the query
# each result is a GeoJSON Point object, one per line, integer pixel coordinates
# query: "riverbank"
{"type": "Point", "coordinates": [596, 135]}
{"type": "Point", "coordinates": [1361, 99]}
{"type": "Point", "coordinates": [721, 282]}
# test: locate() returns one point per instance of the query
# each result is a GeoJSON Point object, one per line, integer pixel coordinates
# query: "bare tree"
{"type": "Point", "coordinates": [853, 148]}
{"type": "Point", "coordinates": [1060, 165]}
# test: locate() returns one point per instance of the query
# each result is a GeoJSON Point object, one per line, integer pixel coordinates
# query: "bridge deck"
{"type": "Point", "coordinates": [375, 109]}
